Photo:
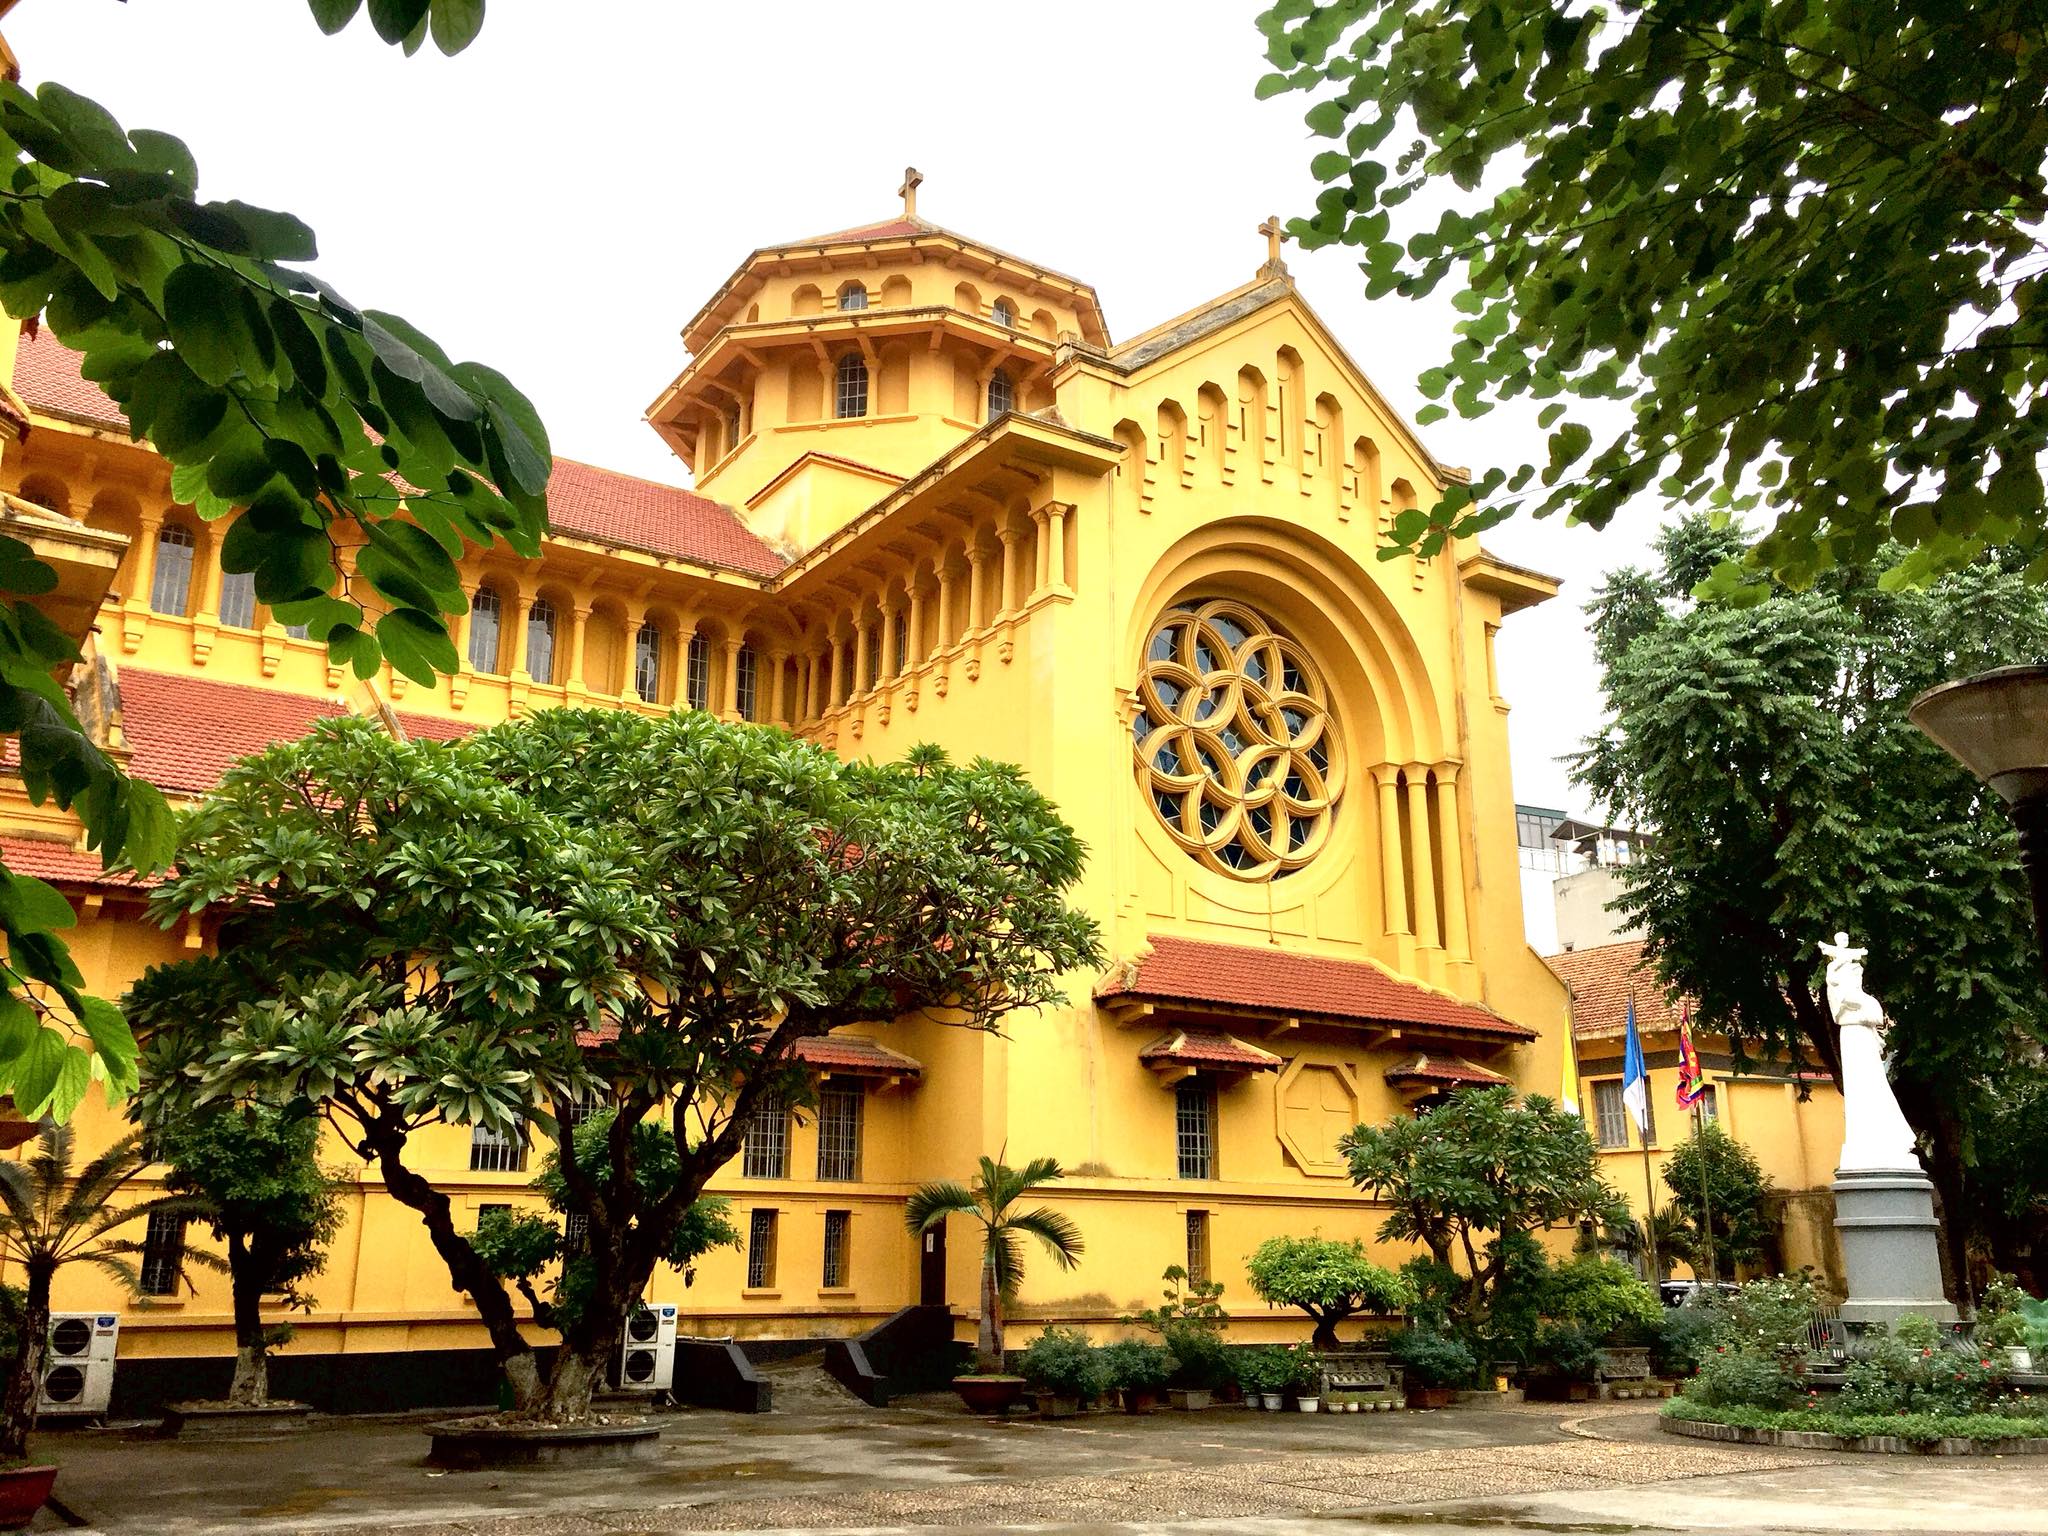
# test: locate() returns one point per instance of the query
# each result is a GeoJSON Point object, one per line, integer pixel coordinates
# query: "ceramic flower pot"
{"type": "Point", "coordinates": [1309, 1404]}
{"type": "Point", "coordinates": [991, 1395]}
{"type": "Point", "coordinates": [1272, 1402]}
{"type": "Point", "coordinates": [23, 1491]}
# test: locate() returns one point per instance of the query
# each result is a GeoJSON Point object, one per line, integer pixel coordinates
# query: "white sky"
{"type": "Point", "coordinates": [558, 199]}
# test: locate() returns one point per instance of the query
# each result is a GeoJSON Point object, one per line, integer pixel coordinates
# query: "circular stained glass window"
{"type": "Point", "coordinates": [1233, 741]}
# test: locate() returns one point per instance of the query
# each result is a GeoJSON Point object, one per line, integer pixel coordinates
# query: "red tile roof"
{"type": "Point", "coordinates": [1220, 1052]}
{"type": "Point", "coordinates": [887, 229]}
{"type": "Point", "coordinates": [62, 864]}
{"type": "Point", "coordinates": [856, 1056]}
{"type": "Point", "coordinates": [46, 377]}
{"type": "Point", "coordinates": [629, 513]}
{"type": "Point", "coordinates": [1601, 981]}
{"type": "Point", "coordinates": [1284, 982]}
{"type": "Point", "coordinates": [1442, 1069]}
{"type": "Point", "coordinates": [584, 501]}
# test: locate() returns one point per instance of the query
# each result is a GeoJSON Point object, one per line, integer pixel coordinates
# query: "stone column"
{"type": "Point", "coordinates": [522, 610]}
{"type": "Point", "coordinates": [1041, 519]}
{"type": "Point", "coordinates": [1427, 935]}
{"type": "Point", "coordinates": [891, 662]}
{"type": "Point", "coordinates": [632, 616]}
{"type": "Point", "coordinates": [977, 589]}
{"type": "Point", "coordinates": [152, 524]}
{"type": "Point", "coordinates": [1056, 537]}
{"type": "Point", "coordinates": [730, 708]}
{"type": "Point", "coordinates": [946, 583]}
{"type": "Point", "coordinates": [777, 660]}
{"type": "Point", "coordinates": [915, 634]}
{"type": "Point", "coordinates": [1392, 879]}
{"type": "Point", "coordinates": [579, 616]}
{"type": "Point", "coordinates": [1009, 536]}
{"type": "Point", "coordinates": [861, 681]}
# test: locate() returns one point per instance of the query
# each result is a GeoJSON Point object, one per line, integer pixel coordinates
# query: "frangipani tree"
{"type": "Point", "coordinates": [592, 904]}
{"type": "Point", "coordinates": [990, 1200]}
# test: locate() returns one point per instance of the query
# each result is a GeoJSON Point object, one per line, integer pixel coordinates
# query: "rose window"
{"type": "Point", "coordinates": [1234, 742]}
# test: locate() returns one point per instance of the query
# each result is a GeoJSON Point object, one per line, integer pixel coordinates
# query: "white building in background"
{"type": "Point", "coordinates": [1571, 872]}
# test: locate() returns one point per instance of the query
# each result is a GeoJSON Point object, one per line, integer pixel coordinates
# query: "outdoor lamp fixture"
{"type": "Point", "coordinates": [1996, 725]}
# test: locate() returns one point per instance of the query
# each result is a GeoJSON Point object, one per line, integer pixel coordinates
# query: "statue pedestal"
{"type": "Point", "coordinates": [1891, 1245]}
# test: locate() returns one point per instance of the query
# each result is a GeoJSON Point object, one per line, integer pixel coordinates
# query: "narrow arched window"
{"type": "Point", "coordinates": [853, 296]}
{"type": "Point", "coordinates": [1003, 312]}
{"type": "Point", "coordinates": [484, 614]}
{"type": "Point", "coordinates": [851, 399]}
{"type": "Point", "coordinates": [697, 673]}
{"type": "Point", "coordinates": [902, 638]}
{"type": "Point", "coordinates": [746, 681]}
{"type": "Point", "coordinates": [170, 588]}
{"type": "Point", "coordinates": [647, 663]}
{"type": "Point", "coordinates": [540, 641]}
{"type": "Point", "coordinates": [732, 429]}
{"type": "Point", "coordinates": [238, 599]}
{"type": "Point", "coordinates": [1002, 394]}
{"type": "Point", "coordinates": [874, 652]}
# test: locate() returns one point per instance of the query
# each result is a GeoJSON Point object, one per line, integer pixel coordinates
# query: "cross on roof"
{"type": "Point", "coordinates": [1274, 235]}
{"type": "Point", "coordinates": [913, 178]}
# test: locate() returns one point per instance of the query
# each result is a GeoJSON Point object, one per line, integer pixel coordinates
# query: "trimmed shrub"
{"type": "Point", "coordinates": [1434, 1359]}
{"type": "Point", "coordinates": [1135, 1366]}
{"type": "Point", "coordinates": [1062, 1362]}
{"type": "Point", "coordinates": [1742, 1378]}
{"type": "Point", "coordinates": [1684, 1338]}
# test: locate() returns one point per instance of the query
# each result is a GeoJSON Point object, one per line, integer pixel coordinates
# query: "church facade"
{"type": "Point", "coordinates": [936, 502]}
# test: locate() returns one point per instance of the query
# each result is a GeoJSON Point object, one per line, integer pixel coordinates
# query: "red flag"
{"type": "Point", "coordinates": [1692, 1080]}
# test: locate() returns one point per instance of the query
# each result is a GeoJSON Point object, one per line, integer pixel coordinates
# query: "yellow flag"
{"type": "Point", "coordinates": [1568, 1089]}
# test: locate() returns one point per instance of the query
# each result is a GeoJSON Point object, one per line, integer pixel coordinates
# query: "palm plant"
{"type": "Point", "coordinates": [989, 1201]}
{"type": "Point", "coordinates": [49, 1219]}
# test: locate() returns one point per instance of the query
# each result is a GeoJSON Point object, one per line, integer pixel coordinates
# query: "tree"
{"type": "Point", "coordinates": [254, 1172]}
{"type": "Point", "coordinates": [313, 422]}
{"type": "Point", "coordinates": [1769, 750]}
{"type": "Point", "coordinates": [1711, 1166]}
{"type": "Point", "coordinates": [1801, 243]}
{"type": "Point", "coordinates": [520, 1247]}
{"type": "Point", "coordinates": [1475, 1164]}
{"type": "Point", "coordinates": [1328, 1280]}
{"type": "Point", "coordinates": [991, 1201]}
{"type": "Point", "coordinates": [590, 905]}
{"type": "Point", "coordinates": [48, 1219]}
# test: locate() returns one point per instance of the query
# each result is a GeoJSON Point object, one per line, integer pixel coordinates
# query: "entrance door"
{"type": "Point", "coordinates": [931, 1268]}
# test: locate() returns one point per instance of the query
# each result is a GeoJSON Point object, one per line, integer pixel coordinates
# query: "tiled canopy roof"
{"type": "Point", "coordinates": [1276, 981]}
{"type": "Point", "coordinates": [184, 731]}
{"type": "Point", "coordinates": [585, 502]}
{"type": "Point", "coordinates": [855, 1056]}
{"type": "Point", "coordinates": [1219, 1053]}
{"type": "Point", "coordinates": [62, 864]}
{"type": "Point", "coordinates": [887, 229]}
{"type": "Point", "coordinates": [1454, 1071]}
{"type": "Point", "coordinates": [1601, 981]}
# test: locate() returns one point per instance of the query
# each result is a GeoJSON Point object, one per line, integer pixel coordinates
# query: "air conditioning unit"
{"type": "Point", "coordinates": [78, 1363]}
{"type": "Point", "coordinates": [647, 1362]}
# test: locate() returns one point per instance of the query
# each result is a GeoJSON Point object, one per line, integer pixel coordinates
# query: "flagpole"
{"type": "Point", "coordinates": [1643, 1136]}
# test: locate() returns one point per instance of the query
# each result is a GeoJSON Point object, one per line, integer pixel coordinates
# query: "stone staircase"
{"type": "Point", "coordinates": [802, 1385]}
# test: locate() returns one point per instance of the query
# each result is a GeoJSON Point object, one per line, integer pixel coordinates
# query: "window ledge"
{"type": "Point", "coordinates": [765, 1294]}
{"type": "Point", "coordinates": [160, 1304]}
{"type": "Point", "coordinates": [835, 1292]}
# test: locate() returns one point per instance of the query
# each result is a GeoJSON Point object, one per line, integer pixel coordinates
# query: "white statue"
{"type": "Point", "coordinates": [1875, 1134]}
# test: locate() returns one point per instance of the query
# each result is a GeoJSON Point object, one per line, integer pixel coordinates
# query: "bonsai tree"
{"type": "Point", "coordinates": [49, 1219]}
{"type": "Point", "coordinates": [520, 1246]}
{"type": "Point", "coordinates": [1190, 1322]}
{"type": "Point", "coordinates": [255, 1174]}
{"type": "Point", "coordinates": [590, 904]}
{"type": "Point", "coordinates": [1478, 1164]}
{"type": "Point", "coordinates": [991, 1201]}
{"type": "Point", "coordinates": [1432, 1359]}
{"type": "Point", "coordinates": [1724, 1195]}
{"type": "Point", "coordinates": [1328, 1280]}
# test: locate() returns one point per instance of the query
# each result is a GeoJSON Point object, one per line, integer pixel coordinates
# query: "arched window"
{"type": "Point", "coordinates": [1002, 394]}
{"type": "Point", "coordinates": [1003, 312]}
{"type": "Point", "coordinates": [483, 630]}
{"type": "Point", "coordinates": [171, 587]}
{"type": "Point", "coordinates": [732, 429]}
{"type": "Point", "coordinates": [238, 599]}
{"type": "Point", "coordinates": [853, 296]}
{"type": "Point", "coordinates": [902, 641]}
{"type": "Point", "coordinates": [746, 681]}
{"type": "Point", "coordinates": [851, 399]}
{"type": "Point", "coordinates": [874, 654]}
{"type": "Point", "coordinates": [647, 663]}
{"type": "Point", "coordinates": [697, 673]}
{"type": "Point", "coordinates": [540, 641]}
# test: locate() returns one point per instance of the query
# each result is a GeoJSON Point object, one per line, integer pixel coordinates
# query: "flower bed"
{"type": "Point", "coordinates": [2004, 1432]}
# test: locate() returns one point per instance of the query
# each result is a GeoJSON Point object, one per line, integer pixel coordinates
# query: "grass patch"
{"type": "Point", "coordinates": [1919, 1428]}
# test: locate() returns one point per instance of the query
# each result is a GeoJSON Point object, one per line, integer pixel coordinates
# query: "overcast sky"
{"type": "Point", "coordinates": [558, 199]}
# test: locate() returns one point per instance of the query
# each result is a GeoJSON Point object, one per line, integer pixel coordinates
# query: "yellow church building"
{"type": "Point", "coordinates": [935, 501]}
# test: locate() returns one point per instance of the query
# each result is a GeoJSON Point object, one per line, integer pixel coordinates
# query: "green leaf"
{"type": "Point", "coordinates": [167, 155]}
{"type": "Point", "coordinates": [396, 19]}
{"type": "Point", "coordinates": [267, 234]}
{"type": "Point", "coordinates": [332, 15]}
{"type": "Point", "coordinates": [87, 126]}
{"type": "Point", "coordinates": [216, 325]}
{"type": "Point", "coordinates": [456, 24]}
{"type": "Point", "coordinates": [112, 1041]}
{"type": "Point", "coordinates": [27, 905]}
{"type": "Point", "coordinates": [38, 1070]}
{"type": "Point", "coordinates": [417, 644]}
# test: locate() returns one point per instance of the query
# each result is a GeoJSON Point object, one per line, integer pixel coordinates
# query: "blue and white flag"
{"type": "Point", "coordinates": [1635, 1079]}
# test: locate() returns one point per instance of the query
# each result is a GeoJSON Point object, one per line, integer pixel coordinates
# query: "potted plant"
{"type": "Point", "coordinates": [989, 1389]}
{"type": "Point", "coordinates": [1328, 1280]}
{"type": "Point", "coordinates": [1262, 1375]}
{"type": "Point", "coordinates": [2002, 1320]}
{"type": "Point", "coordinates": [1305, 1377]}
{"type": "Point", "coordinates": [49, 1219]}
{"type": "Point", "coordinates": [1138, 1371]}
{"type": "Point", "coordinates": [1065, 1370]}
{"type": "Point", "coordinates": [1566, 1363]}
{"type": "Point", "coordinates": [1434, 1366]}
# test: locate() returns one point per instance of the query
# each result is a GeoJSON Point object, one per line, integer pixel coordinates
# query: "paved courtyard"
{"type": "Point", "coordinates": [1603, 1470]}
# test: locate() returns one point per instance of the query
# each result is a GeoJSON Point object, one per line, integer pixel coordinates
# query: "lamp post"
{"type": "Point", "coordinates": [1996, 725]}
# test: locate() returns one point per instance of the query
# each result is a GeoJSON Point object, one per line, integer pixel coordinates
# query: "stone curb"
{"type": "Point", "coordinates": [1885, 1445]}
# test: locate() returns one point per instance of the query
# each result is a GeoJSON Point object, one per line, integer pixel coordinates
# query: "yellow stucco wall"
{"type": "Point", "coordinates": [1239, 453]}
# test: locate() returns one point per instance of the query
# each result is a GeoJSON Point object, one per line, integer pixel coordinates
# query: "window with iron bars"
{"type": "Point", "coordinates": [766, 1153]}
{"type": "Point", "coordinates": [1198, 1248]}
{"type": "Point", "coordinates": [647, 663]}
{"type": "Point", "coordinates": [761, 1229]}
{"type": "Point", "coordinates": [238, 599]}
{"type": "Point", "coordinates": [170, 588]}
{"type": "Point", "coordinates": [484, 613]}
{"type": "Point", "coordinates": [838, 1231]}
{"type": "Point", "coordinates": [163, 1253]}
{"type": "Point", "coordinates": [902, 634]}
{"type": "Point", "coordinates": [850, 399]}
{"type": "Point", "coordinates": [1194, 1116]}
{"type": "Point", "coordinates": [575, 1233]}
{"type": "Point", "coordinates": [839, 1117]}
{"type": "Point", "coordinates": [496, 1152]}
